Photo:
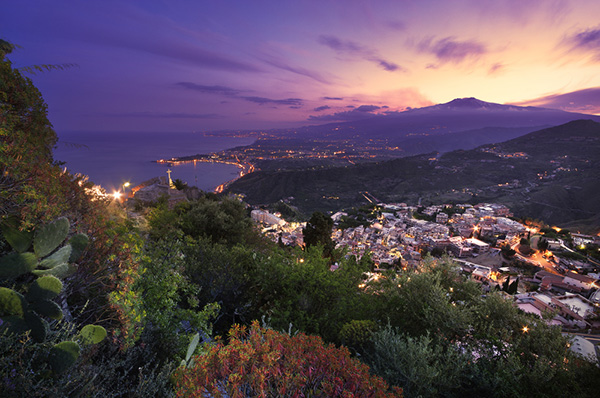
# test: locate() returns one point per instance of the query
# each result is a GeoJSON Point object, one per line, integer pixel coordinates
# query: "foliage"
{"type": "Point", "coordinates": [179, 184]}
{"type": "Point", "coordinates": [300, 289]}
{"type": "Point", "coordinates": [318, 232]}
{"type": "Point", "coordinates": [262, 362]}
{"type": "Point", "coordinates": [421, 366]}
{"type": "Point", "coordinates": [170, 302]}
{"type": "Point", "coordinates": [101, 371]}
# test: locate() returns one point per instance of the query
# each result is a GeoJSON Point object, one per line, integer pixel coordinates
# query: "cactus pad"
{"type": "Point", "coordinates": [15, 264]}
{"type": "Point", "coordinates": [44, 288]}
{"type": "Point", "coordinates": [60, 271]}
{"type": "Point", "coordinates": [78, 242]}
{"type": "Point", "coordinates": [92, 334]}
{"type": "Point", "coordinates": [48, 237]}
{"type": "Point", "coordinates": [63, 356]}
{"type": "Point", "coordinates": [60, 257]}
{"type": "Point", "coordinates": [47, 308]}
{"type": "Point", "coordinates": [11, 303]}
{"type": "Point", "coordinates": [18, 240]}
{"type": "Point", "coordinates": [39, 327]}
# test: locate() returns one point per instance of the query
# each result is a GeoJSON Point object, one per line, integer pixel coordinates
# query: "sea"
{"type": "Point", "coordinates": [111, 159]}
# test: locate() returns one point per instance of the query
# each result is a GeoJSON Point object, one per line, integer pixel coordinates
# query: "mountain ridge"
{"type": "Point", "coordinates": [546, 174]}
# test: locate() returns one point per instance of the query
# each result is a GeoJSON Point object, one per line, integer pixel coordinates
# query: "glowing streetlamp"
{"type": "Point", "coordinates": [117, 195]}
{"type": "Point", "coordinates": [525, 329]}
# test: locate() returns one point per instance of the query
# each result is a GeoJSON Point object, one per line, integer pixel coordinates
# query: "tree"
{"type": "Point", "coordinates": [318, 232]}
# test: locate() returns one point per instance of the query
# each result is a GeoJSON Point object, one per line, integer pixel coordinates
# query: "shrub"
{"type": "Point", "coordinates": [263, 362]}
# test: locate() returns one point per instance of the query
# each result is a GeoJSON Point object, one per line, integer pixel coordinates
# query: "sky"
{"type": "Point", "coordinates": [194, 65]}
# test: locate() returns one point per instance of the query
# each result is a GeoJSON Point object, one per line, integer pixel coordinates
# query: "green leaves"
{"type": "Point", "coordinates": [92, 334]}
{"type": "Point", "coordinates": [50, 236]}
{"type": "Point", "coordinates": [15, 264]}
{"type": "Point", "coordinates": [63, 356]}
{"type": "Point", "coordinates": [60, 257]}
{"type": "Point", "coordinates": [78, 244]}
{"type": "Point", "coordinates": [11, 303]}
{"type": "Point", "coordinates": [18, 240]}
{"type": "Point", "coordinates": [44, 288]}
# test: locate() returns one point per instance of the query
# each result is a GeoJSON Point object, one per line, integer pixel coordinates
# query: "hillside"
{"type": "Point", "coordinates": [552, 174]}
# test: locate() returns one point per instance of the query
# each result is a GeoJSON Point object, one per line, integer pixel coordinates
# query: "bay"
{"type": "Point", "coordinates": [110, 159]}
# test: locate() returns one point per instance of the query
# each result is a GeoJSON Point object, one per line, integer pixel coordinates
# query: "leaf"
{"type": "Point", "coordinates": [14, 324]}
{"type": "Point", "coordinates": [50, 236]}
{"type": "Point", "coordinates": [11, 303]}
{"type": "Point", "coordinates": [44, 288]}
{"type": "Point", "coordinates": [192, 347]}
{"type": "Point", "coordinates": [47, 308]}
{"type": "Point", "coordinates": [61, 256]}
{"type": "Point", "coordinates": [63, 355]}
{"type": "Point", "coordinates": [15, 264]}
{"type": "Point", "coordinates": [60, 271]}
{"type": "Point", "coordinates": [92, 334]}
{"type": "Point", "coordinates": [39, 327]}
{"type": "Point", "coordinates": [18, 240]}
{"type": "Point", "coordinates": [78, 243]}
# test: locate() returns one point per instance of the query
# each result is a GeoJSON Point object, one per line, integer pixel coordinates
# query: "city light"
{"type": "Point", "coordinates": [117, 195]}
{"type": "Point", "coordinates": [525, 329]}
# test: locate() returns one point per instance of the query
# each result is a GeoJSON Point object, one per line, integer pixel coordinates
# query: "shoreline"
{"type": "Point", "coordinates": [246, 168]}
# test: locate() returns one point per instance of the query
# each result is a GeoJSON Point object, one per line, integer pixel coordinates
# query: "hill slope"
{"type": "Point", "coordinates": [552, 174]}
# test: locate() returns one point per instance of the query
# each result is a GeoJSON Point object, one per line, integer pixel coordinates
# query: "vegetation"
{"type": "Point", "coordinates": [92, 306]}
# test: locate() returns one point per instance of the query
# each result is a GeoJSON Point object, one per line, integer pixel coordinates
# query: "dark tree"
{"type": "Point", "coordinates": [318, 232]}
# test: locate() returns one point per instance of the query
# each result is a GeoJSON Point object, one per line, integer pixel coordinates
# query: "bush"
{"type": "Point", "coordinates": [263, 362]}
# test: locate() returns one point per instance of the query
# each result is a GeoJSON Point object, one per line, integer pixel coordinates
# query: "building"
{"type": "Point", "coordinates": [581, 281]}
{"type": "Point", "coordinates": [265, 217]}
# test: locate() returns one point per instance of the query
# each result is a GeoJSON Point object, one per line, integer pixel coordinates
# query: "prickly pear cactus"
{"type": "Point", "coordinates": [63, 355]}
{"type": "Point", "coordinates": [50, 236]}
{"type": "Point", "coordinates": [49, 262]}
{"type": "Point", "coordinates": [92, 334]}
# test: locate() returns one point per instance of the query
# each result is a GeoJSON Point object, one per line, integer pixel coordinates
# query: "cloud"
{"type": "Point", "coordinates": [322, 108]}
{"type": "Point", "coordinates": [496, 68]}
{"type": "Point", "coordinates": [263, 100]}
{"type": "Point", "coordinates": [586, 41]}
{"type": "Point", "coordinates": [222, 90]}
{"type": "Point", "coordinates": [362, 112]}
{"type": "Point", "coordinates": [235, 93]}
{"type": "Point", "coordinates": [166, 115]}
{"type": "Point", "coordinates": [358, 50]}
{"type": "Point", "coordinates": [333, 98]}
{"type": "Point", "coordinates": [582, 101]}
{"type": "Point", "coordinates": [396, 25]}
{"type": "Point", "coordinates": [281, 64]}
{"type": "Point", "coordinates": [450, 50]}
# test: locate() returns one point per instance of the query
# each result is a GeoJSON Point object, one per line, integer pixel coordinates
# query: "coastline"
{"type": "Point", "coordinates": [245, 168]}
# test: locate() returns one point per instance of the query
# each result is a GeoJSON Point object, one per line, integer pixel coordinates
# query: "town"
{"type": "Point", "coordinates": [542, 268]}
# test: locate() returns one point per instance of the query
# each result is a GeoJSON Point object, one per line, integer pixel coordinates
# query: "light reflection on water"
{"type": "Point", "coordinates": [111, 159]}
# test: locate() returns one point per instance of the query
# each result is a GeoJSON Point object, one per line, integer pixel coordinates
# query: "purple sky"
{"type": "Point", "coordinates": [194, 65]}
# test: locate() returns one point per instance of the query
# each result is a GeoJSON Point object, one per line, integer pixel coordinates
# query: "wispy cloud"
{"type": "Point", "coordinates": [451, 50]}
{"type": "Point", "coordinates": [586, 41]}
{"type": "Point", "coordinates": [361, 112]}
{"type": "Point", "coordinates": [222, 90]}
{"type": "Point", "coordinates": [583, 101]}
{"type": "Point", "coordinates": [321, 108]}
{"type": "Point", "coordinates": [333, 98]}
{"type": "Point", "coordinates": [357, 50]}
{"type": "Point", "coordinates": [263, 100]}
{"type": "Point", "coordinates": [284, 65]}
{"type": "Point", "coordinates": [235, 93]}
{"type": "Point", "coordinates": [167, 115]}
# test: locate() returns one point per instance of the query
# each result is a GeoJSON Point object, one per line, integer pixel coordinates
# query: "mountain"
{"type": "Point", "coordinates": [463, 123]}
{"type": "Point", "coordinates": [552, 174]}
